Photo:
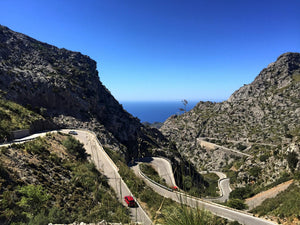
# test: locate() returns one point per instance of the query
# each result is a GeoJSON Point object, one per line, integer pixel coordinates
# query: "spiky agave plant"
{"type": "Point", "coordinates": [185, 215]}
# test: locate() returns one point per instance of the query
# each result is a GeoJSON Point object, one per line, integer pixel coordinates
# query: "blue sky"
{"type": "Point", "coordinates": [161, 50]}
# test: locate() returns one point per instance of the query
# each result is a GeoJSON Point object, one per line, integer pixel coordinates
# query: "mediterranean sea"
{"type": "Point", "coordinates": [155, 111]}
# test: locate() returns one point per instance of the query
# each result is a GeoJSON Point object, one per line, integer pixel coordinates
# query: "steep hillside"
{"type": "Point", "coordinates": [261, 119]}
{"type": "Point", "coordinates": [267, 110]}
{"type": "Point", "coordinates": [15, 117]}
{"type": "Point", "coordinates": [45, 181]}
{"type": "Point", "coordinates": [64, 86]}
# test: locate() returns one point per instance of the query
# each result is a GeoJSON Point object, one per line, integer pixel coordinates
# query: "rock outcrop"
{"type": "Point", "coordinates": [267, 110]}
{"type": "Point", "coordinates": [261, 118]}
{"type": "Point", "coordinates": [65, 86]}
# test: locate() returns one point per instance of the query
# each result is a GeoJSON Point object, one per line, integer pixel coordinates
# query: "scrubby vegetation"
{"type": "Point", "coordinates": [145, 194]}
{"type": "Point", "coordinates": [42, 181]}
{"type": "Point", "coordinates": [161, 209]}
{"type": "Point", "coordinates": [149, 171]}
{"type": "Point", "coordinates": [285, 205]}
{"type": "Point", "coordinates": [14, 117]}
{"type": "Point", "coordinates": [212, 189]}
{"type": "Point", "coordinates": [75, 147]}
{"type": "Point", "coordinates": [236, 204]}
{"type": "Point", "coordinates": [251, 190]}
{"type": "Point", "coordinates": [184, 215]}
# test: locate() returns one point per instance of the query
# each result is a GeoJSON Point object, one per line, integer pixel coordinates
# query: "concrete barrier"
{"type": "Point", "coordinates": [16, 134]}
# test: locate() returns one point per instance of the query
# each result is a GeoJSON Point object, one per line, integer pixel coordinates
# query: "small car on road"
{"type": "Point", "coordinates": [175, 188]}
{"type": "Point", "coordinates": [73, 132]}
{"type": "Point", "coordinates": [130, 201]}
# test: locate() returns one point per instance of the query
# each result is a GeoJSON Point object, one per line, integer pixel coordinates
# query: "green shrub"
{"type": "Point", "coordinates": [263, 158]}
{"type": "Point", "coordinates": [136, 185]}
{"type": "Point", "coordinates": [241, 193]}
{"type": "Point", "coordinates": [39, 219]}
{"type": "Point", "coordinates": [292, 158]}
{"type": "Point", "coordinates": [75, 148]}
{"type": "Point", "coordinates": [85, 175]}
{"type": "Point", "coordinates": [297, 175]}
{"type": "Point", "coordinates": [237, 204]}
{"type": "Point", "coordinates": [36, 147]}
{"type": "Point", "coordinates": [187, 183]}
{"type": "Point", "coordinates": [255, 171]}
{"type": "Point", "coordinates": [76, 192]}
{"type": "Point", "coordinates": [286, 204]}
{"type": "Point", "coordinates": [56, 215]}
{"type": "Point", "coordinates": [149, 171]}
{"type": "Point", "coordinates": [212, 189]}
{"type": "Point", "coordinates": [184, 215]}
{"type": "Point", "coordinates": [14, 117]}
{"type": "Point", "coordinates": [33, 198]}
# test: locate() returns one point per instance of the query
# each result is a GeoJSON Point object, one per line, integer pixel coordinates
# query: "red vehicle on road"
{"type": "Point", "coordinates": [175, 188]}
{"type": "Point", "coordinates": [130, 201]}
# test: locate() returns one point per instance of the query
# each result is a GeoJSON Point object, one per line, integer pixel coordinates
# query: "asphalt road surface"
{"type": "Point", "coordinates": [216, 146]}
{"type": "Point", "coordinates": [104, 164]}
{"type": "Point", "coordinates": [162, 167]}
{"type": "Point", "coordinates": [110, 170]}
{"type": "Point", "coordinates": [219, 210]}
{"type": "Point", "coordinates": [224, 186]}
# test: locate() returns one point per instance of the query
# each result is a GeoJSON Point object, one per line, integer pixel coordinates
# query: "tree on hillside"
{"type": "Point", "coordinates": [184, 102]}
{"type": "Point", "coordinates": [292, 159]}
{"type": "Point", "coordinates": [33, 199]}
{"type": "Point", "coordinates": [75, 148]}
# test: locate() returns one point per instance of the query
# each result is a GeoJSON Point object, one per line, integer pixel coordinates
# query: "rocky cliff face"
{"type": "Point", "coordinates": [262, 118]}
{"type": "Point", "coordinates": [64, 86]}
{"type": "Point", "coordinates": [266, 110]}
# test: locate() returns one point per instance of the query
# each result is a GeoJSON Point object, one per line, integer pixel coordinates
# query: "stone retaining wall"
{"type": "Point", "coordinates": [16, 134]}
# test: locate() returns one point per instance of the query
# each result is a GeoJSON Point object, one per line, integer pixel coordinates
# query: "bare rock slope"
{"type": "Point", "coordinates": [267, 112]}
{"type": "Point", "coordinates": [64, 85]}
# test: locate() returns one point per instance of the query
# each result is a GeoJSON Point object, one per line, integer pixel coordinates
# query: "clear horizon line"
{"type": "Point", "coordinates": [203, 100]}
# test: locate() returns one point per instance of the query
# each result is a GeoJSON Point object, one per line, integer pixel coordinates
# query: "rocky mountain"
{"type": "Point", "coordinates": [266, 110]}
{"type": "Point", "coordinates": [65, 86]}
{"type": "Point", "coordinates": [64, 89]}
{"type": "Point", "coordinates": [261, 119]}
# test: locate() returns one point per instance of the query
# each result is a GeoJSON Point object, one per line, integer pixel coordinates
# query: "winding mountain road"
{"type": "Point", "coordinates": [107, 167]}
{"type": "Point", "coordinates": [219, 210]}
{"type": "Point", "coordinates": [224, 186]}
{"type": "Point", "coordinates": [110, 170]}
{"type": "Point", "coordinates": [163, 167]}
{"type": "Point", "coordinates": [213, 146]}
{"type": "Point", "coordinates": [164, 170]}
{"type": "Point", "coordinates": [104, 164]}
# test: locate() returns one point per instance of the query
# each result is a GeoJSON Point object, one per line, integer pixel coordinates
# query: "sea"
{"type": "Point", "coordinates": [155, 111]}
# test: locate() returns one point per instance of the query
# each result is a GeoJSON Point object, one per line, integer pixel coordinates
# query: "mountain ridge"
{"type": "Point", "coordinates": [64, 87]}
{"type": "Point", "coordinates": [252, 102]}
{"type": "Point", "coordinates": [285, 63]}
{"type": "Point", "coordinates": [261, 119]}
